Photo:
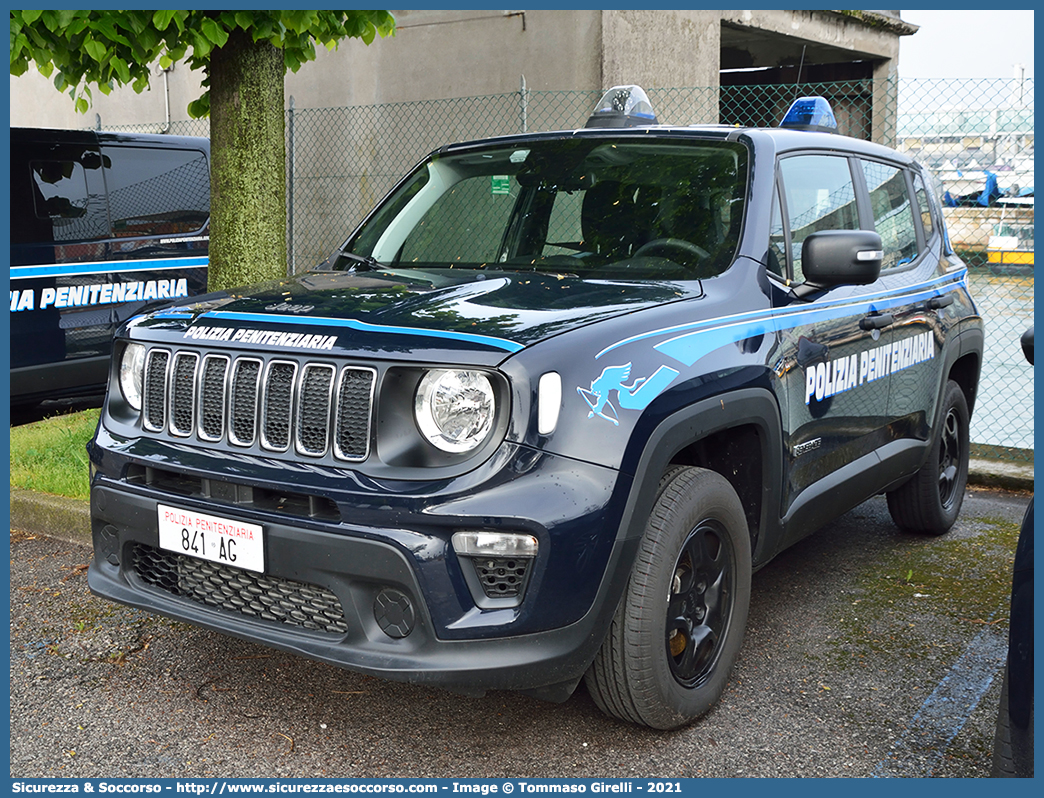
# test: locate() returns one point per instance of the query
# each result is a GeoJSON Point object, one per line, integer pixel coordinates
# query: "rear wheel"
{"type": "Point", "coordinates": [680, 625]}
{"type": "Point", "coordinates": [931, 501]}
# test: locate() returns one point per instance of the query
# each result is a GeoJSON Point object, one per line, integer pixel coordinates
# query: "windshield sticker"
{"type": "Point", "coordinates": [500, 184]}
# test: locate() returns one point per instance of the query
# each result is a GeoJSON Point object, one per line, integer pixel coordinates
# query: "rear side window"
{"type": "Point", "coordinates": [924, 206]}
{"type": "Point", "coordinates": [156, 192]}
{"type": "Point", "coordinates": [893, 213]}
{"type": "Point", "coordinates": [820, 195]}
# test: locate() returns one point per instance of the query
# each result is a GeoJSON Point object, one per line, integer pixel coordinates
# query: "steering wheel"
{"type": "Point", "coordinates": [663, 247]}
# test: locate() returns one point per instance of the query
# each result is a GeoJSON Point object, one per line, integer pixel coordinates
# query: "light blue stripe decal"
{"type": "Point", "coordinates": [106, 266]}
{"type": "Point", "coordinates": [730, 329]}
{"type": "Point", "coordinates": [352, 324]}
{"type": "Point", "coordinates": [690, 347]}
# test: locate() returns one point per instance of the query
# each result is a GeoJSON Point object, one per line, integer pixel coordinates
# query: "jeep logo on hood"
{"type": "Point", "coordinates": [287, 307]}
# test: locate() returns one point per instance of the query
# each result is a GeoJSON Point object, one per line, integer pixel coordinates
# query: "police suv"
{"type": "Point", "coordinates": [547, 408]}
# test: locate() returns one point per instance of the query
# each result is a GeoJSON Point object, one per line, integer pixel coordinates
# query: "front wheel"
{"type": "Point", "coordinates": [680, 624]}
{"type": "Point", "coordinates": [930, 501]}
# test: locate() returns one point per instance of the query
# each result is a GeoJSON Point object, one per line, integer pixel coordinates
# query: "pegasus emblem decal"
{"type": "Point", "coordinates": [635, 396]}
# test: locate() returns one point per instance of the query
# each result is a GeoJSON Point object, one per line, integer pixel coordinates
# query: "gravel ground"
{"type": "Point", "coordinates": [850, 632]}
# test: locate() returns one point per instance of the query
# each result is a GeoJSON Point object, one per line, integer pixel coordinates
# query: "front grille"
{"type": "Point", "coordinates": [182, 393]}
{"type": "Point", "coordinates": [311, 409]}
{"type": "Point", "coordinates": [154, 408]}
{"type": "Point", "coordinates": [269, 598]}
{"type": "Point", "coordinates": [212, 397]}
{"type": "Point", "coordinates": [279, 398]}
{"type": "Point", "coordinates": [313, 427]}
{"type": "Point", "coordinates": [245, 381]}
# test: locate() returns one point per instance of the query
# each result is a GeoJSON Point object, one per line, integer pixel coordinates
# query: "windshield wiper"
{"type": "Point", "coordinates": [371, 263]}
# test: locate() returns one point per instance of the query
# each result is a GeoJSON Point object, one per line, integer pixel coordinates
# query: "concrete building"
{"type": "Point", "coordinates": [446, 54]}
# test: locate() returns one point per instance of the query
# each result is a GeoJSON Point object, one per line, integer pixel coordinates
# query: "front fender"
{"type": "Point", "coordinates": [756, 407]}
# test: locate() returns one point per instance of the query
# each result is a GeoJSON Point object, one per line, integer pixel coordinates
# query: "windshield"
{"type": "Point", "coordinates": [621, 209]}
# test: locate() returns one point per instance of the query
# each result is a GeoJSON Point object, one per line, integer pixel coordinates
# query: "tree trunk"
{"type": "Point", "coordinates": [248, 163]}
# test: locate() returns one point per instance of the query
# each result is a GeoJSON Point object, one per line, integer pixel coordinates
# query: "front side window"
{"type": "Point", "coordinates": [893, 213]}
{"type": "Point", "coordinates": [621, 209]}
{"type": "Point", "coordinates": [820, 195]}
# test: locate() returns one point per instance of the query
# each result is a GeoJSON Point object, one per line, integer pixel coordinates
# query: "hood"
{"type": "Point", "coordinates": [413, 310]}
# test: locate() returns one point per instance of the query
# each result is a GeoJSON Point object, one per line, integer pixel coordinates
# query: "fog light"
{"type": "Point", "coordinates": [484, 543]}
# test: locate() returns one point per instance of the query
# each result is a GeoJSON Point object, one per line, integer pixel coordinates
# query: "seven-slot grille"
{"type": "Point", "coordinates": [312, 408]}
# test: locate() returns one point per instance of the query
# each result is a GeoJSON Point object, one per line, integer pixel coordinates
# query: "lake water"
{"type": "Point", "coordinates": [1004, 408]}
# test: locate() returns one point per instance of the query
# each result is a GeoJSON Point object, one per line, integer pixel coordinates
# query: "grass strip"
{"type": "Point", "coordinates": [50, 456]}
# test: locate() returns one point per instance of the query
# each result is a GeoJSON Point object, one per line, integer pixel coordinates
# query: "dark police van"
{"type": "Point", "coordinates": [103, 225]}
{"type": "Point", "coordinates": [548, 407]}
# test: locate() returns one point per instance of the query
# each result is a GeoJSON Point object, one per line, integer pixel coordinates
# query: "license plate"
{"type": "Point", "coordinates": [208, 537]}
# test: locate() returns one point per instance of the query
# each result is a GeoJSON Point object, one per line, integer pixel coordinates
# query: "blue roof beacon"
{"type": "Point", "coordinates": [810, 113]}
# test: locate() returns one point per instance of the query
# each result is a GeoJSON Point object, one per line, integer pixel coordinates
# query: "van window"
{"type": "Point", "coordinates": [61, 195]}
{"type": "Point", "coordinates": [155, 192]}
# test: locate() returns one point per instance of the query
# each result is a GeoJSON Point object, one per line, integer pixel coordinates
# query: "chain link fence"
{"type": "Point", "coordinates": [975, 135]}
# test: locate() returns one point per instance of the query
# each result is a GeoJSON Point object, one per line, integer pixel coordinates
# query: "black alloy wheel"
{"type": "Point", "coordinates": [930, 501]}
{"type": "Point", "coordinates": [950, 458]}
{"type": "Point", "coordinates": [700, 604]}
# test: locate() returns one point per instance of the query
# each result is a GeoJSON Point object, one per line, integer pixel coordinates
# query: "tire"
{"type": "Point", "coordinates": [681, 621]}
{"type": "Point", "coordinates": [1012, 746]}
{"type": "Point", "coordinates": [930, 501]}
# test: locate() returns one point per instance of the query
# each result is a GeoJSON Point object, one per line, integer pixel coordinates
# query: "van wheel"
{"type": "Point", "coordinates": [680, 623]}
{"type": "Point", "coordinates": [930, 501]}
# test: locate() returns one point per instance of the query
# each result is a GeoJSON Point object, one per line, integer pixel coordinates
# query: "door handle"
{"type": "Point", "coordinates": [876, 322]}
{"type": "Point", "coordinates": [937, 302]}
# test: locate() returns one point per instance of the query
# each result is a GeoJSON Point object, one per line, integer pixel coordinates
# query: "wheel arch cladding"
{"type": "Point", "coordinates": [738, 435]}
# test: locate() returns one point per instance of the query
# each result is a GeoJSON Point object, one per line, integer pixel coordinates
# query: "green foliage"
{"type": "Point", "coordinates": [110, 48]}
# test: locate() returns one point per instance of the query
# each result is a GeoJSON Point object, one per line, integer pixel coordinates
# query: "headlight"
{"type": "Point", "coordinates": [455, 409]}
{"type": "Point", "coordinates": [132, 374]}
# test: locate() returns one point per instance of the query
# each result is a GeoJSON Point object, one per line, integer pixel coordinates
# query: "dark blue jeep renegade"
{"type": "Point", "coordinates": [547, 408]}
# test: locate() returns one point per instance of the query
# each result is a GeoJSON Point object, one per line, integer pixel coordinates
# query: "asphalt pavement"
{"type": "Point", "coordinates": [869, 653]}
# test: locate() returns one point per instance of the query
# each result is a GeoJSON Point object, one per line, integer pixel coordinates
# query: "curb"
{"type": "Point", "coordinates": [54, 516]}
{"type": "Point", "coordinates": [69, 520]}
{"type": "Point", "coordinates": [1001, 474]}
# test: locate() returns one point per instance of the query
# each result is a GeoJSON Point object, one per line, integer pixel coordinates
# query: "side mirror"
{"type": "Point", "coordinates": [1027, 345]}
{"type": "Point", "coordinates": [840, 257]}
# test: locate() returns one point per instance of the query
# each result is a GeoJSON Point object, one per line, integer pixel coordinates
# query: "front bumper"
{"type": "Point", "coordinates": [360, 569]}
